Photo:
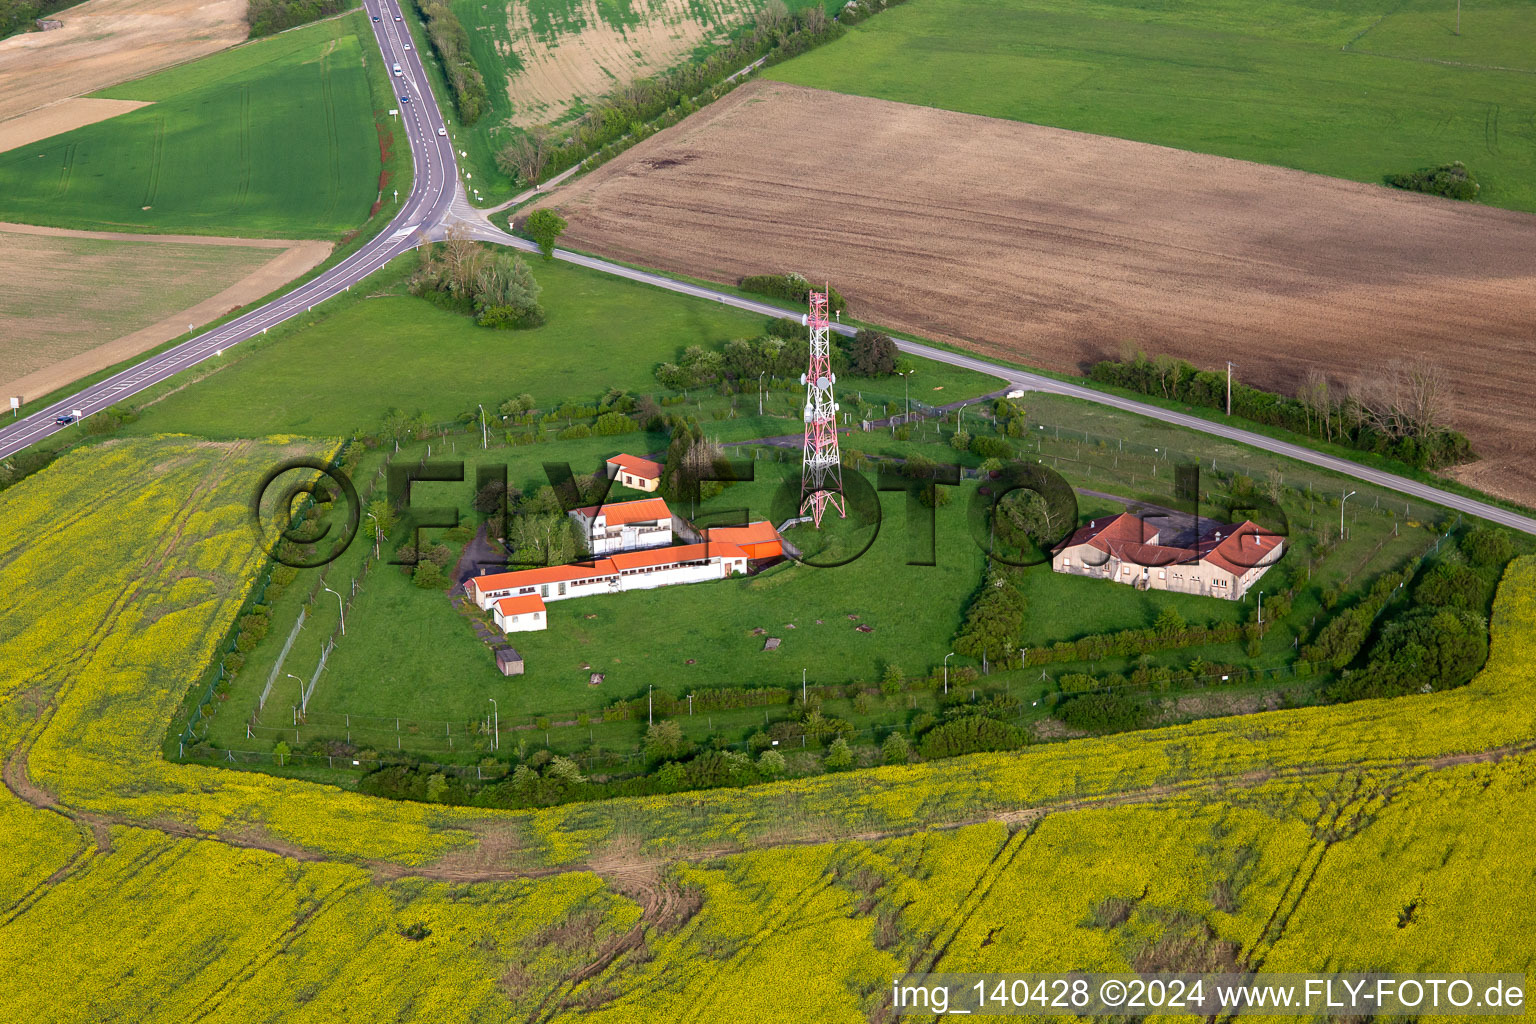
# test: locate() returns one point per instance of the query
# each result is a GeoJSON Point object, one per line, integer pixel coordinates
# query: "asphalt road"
{"type": "Point", "coordinates": [432, 192]}
{"type": "Point", "coordinates": [437, 200]}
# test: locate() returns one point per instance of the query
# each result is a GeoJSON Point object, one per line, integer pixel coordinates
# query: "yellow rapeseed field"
{"type": "Point", "coordinates": [1379, 834]}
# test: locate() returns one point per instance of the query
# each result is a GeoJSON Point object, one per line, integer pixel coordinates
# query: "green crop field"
{"type": "Point", "coordinates": [544, 62]}
{"type": "Point", "coordinates": [274, 138]}
{"type": "Point", "coordinates": [1356, 90]}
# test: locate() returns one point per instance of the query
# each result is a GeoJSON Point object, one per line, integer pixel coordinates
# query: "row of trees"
{"type": "Point", "coordinates": [534, 153]}
{"type": "Point", "coordinates": [268, 16]}
{"type": "Point", "coordinates": [782, 353]}
{"type": "Point", "coordinates": [793, 288]}
{"type": "Point", "coordinates": [1398, 410]}
{"type": "Point", "coordinates": [451, 44]}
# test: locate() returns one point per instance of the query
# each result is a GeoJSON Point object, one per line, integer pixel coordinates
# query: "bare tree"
{"type": "Point", "coordinates": [1426, 397]}
{"type": "Point", "coordinates": [461, 260]}
{"type": "Point", "coordinates": [527, 154]}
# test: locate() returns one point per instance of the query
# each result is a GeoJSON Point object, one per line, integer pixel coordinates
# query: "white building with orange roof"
{"type": "Point", "coordinates": [758, 540]}
{"type": "Point", "coordinates": [520, 614]}
{"type": "Point", "coordinates": [632, 471]}
{"type": "Point", "coordinates": [510, 595]}
{"type": "Point", "coordinates": [1225, 562]}
{"type": "Point", "coordinates": [625, 525]}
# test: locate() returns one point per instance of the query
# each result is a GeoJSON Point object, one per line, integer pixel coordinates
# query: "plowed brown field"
{"type": "Point", "coordinates": [1052, 248]}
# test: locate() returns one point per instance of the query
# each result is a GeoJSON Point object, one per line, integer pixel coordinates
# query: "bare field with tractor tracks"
{"type": "Point", "coordinates": [1054, 248]}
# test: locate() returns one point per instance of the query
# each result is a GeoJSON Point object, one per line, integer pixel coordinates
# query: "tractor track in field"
{"type": "Point", "coordinates": [1021, 819]}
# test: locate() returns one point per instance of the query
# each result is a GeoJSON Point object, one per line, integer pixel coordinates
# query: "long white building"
{"type": "Point", "coordinates": [506, 593]}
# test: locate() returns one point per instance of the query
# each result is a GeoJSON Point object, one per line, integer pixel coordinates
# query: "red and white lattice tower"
{"type": "Point", "coordinates": [821, 481]}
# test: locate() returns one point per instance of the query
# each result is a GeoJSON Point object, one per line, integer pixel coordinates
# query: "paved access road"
{"type": "Point", "coordinates": [431, 194]}
{"type": "Point", "coordinates": [438, 201]}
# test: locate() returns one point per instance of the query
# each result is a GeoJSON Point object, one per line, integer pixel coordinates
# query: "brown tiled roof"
{"type": "Point", "coordinates": [1241, 547]}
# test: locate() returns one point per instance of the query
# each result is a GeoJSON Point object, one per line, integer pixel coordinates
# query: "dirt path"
{"type": "Point", "coordinates": [104, 42]}
{"type": "Point", "coordinates": [290, 260]}
{"type": "Point", "coordinates": [1052, 248]}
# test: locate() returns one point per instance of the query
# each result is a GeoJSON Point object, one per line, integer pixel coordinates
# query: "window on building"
{"type": "Point", "coordinates": [1162, 574]}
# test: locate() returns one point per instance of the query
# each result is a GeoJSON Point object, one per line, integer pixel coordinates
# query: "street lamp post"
{"type": "Point", "coordinates": [1342, 500]}
{"type": "Point", "coordinates": [1261, 607]}
{"type": "Point", "coordinates": [340, 608]}
{"type": "Point", "coordinates": [496, 724]}
{"type": "Point", "coordinates": [376, 532]}
{"type": "Point", "coordinates": [296, 679]}
{"type": "Point", "coordinates": [483, 442]}
{"type": "Point", "coordinates": [951, 654]}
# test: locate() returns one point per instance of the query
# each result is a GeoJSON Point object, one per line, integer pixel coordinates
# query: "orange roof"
{"type": "Point", "coordinates": [667, 556]}
{"type": "Point", "coordinates": [534, 577]}
{"type": "Point", "coordinates": [761, 532]}
{"type": "Point", "coordinates": [1241, 548]}
{"type": "Point", "coordinates": [645, 510]}
{"type": "Point", "coordinates": [521, 605]}
{"type": "Point", "coordinates": [644, 468]}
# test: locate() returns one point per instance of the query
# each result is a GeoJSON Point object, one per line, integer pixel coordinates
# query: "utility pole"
{"type": "Point", "coordinates": [760, 393]}
{"type": "Point", "coordinates": [496, 725]}
{"type": "Point", "coordinates": [1261, 607]}
{"type": "Point", "coordinates": [650, 706]}
{"type": "Point", "coordinates": [802, 688]}
{"type": "Point", "coordinates": [1229, 387]}
{"type": "Point", "coordinates": [1458, 17]}
{"type": "Point", "coordinates": [1346, 497]}
{"type": "Point", "coordinates": [951, 654]}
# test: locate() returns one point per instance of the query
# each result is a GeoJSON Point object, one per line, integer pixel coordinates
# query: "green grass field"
{"type": "Point", "coordinates": [343, 366]}
{"type": "Point", "coordinates": [1357, 90]}
{"type": "Point", "coordinates": [274, 138]}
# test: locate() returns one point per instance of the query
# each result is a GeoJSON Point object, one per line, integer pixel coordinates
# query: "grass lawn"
{"type": "Point", "coordinates": [273, 138]}
{"type": "Point", "coordinates": [411, 654]}
{"type": "Point", "coordinates": [1356, 90]}
{"type": "Point", "coordinates": [340, 369]}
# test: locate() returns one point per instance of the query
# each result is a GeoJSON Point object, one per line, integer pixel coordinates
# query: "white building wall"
{"type": "Point", "coordinates": [525, 622]}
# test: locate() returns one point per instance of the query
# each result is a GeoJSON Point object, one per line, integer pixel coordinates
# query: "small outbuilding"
{"type": "Point", "coordinates": [640, 474]}
{"type": "Point", "coordinates": [508, 661]}
{"type": "Point", "coordinates": [520, 614]}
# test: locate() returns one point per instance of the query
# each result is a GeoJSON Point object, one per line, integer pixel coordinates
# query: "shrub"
{"type": "Point", "coordinates": [612, 423]}
{"type": "Point", "coordinates": [991, 447]}
{"type": "Point", "coordinates": [1487, 546]}
{"type": "Point", "coordinates": [895, 749]}
{"type": "Point", "coordinates": [429, 576]}
{"type": "Point", "coordinates": [969, 734]}
{"type": "Point", "coordinates": [1102, 712]}
{"type": "Point", "coordinates": [1453, 181]}
{"type": "Point", "coordinates": [839, 755]}
{"type": "Point", "coordinates": [575, 430]}
{"type": "Point", "coordinates": [1453, 586]}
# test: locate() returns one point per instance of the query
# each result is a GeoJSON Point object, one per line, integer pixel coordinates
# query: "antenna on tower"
{"type": "Point", "coordinates": [821, 480]}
